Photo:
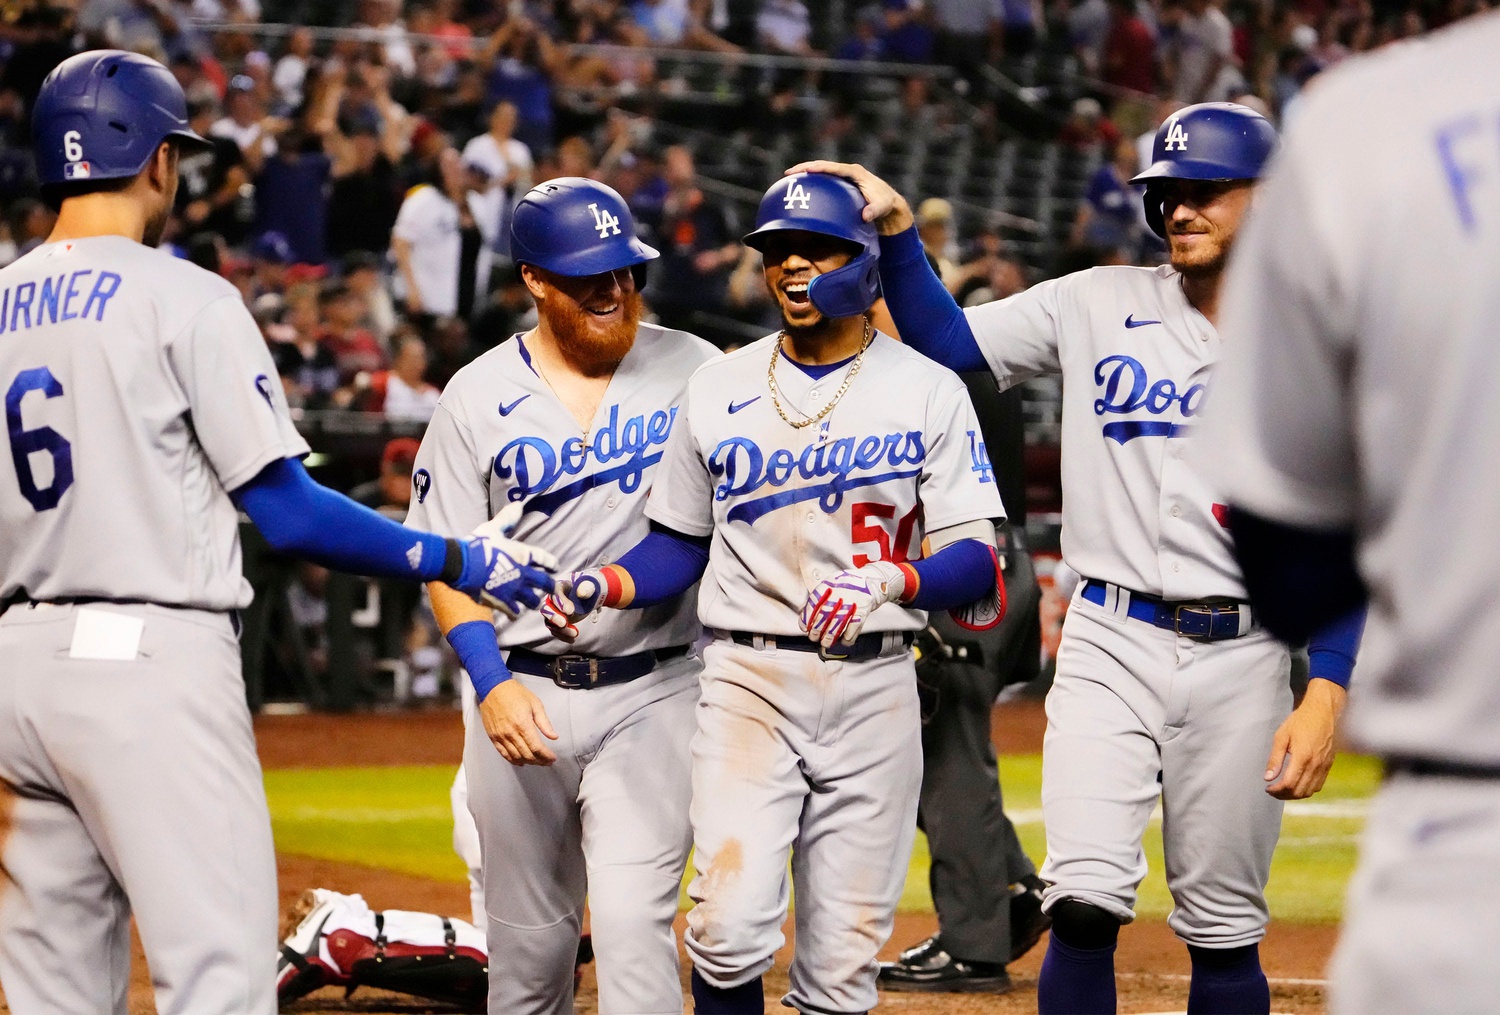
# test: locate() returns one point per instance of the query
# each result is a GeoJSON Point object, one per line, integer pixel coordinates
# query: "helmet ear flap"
{"type": "Point", "coordinates": [639, 273]}
{"type": "Point", "coordinates": [849, 290]}
{"type": "Point", "coordinates": [1155, 217]}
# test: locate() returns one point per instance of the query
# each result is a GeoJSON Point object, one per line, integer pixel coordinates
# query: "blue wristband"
{"type": "Point", "coordinates": [474, 641]}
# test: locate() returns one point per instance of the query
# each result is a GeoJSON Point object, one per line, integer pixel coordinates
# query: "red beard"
{"type": "Point", "coordinates": [580, 335]}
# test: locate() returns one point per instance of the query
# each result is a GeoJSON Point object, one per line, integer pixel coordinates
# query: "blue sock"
{"type": "Point", "coordinates": [1228, 981]}
{"type": "Point", "coordinates": [746, 999]}
{"type": "Point", "coordinates": [1076, 981]}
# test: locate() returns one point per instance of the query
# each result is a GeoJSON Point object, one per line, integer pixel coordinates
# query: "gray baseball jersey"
{"type": "Point", "coordinates": [501, 436]}
{"type": "Point", "coordinates": [1362, 398]}
{"type": "Point", "coordinates": [901, 456]}
{"type": "Point", "coordinates": [138, 390]}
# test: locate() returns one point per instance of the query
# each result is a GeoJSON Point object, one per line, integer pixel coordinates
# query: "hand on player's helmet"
{"type": "Point", "coordinates": [883, 204]}
{"type": "Point", "coordinates": [838, 607]}
{"type": "Point", "coordinates": [575, 598]}
{"type": "Point", "coordinates": [502, 572]}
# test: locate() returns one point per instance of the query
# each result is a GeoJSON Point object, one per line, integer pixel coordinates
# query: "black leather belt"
{"type": "Point", "coordinates": [576, 672]}
{"type": "Point", "coordinates": [1201, 621]}
{"type": "Point", "coordinates": [1425, 767]}
{"type": "Point", "coordinates": [866, 646]}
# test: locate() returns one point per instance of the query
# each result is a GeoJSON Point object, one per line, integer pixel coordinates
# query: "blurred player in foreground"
{"type": "Point", "coordinates": [569, 422]}
{"type": "Point", "coordinates": [1352, 431]}
{"type": "Point", "coordinates": [1166, 688]}
{"type": "Point", "coordinates": [141, 409]}
{"type": "Point", "coordinates": [803, 475]}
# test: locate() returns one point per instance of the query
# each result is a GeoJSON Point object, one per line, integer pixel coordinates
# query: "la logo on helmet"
{"type": "Point", "coordinates": [607, 224]}
{"type": "Point", "coordinates": [1176, 138]}
{"type": "Point", "coordinates": [798, 197]}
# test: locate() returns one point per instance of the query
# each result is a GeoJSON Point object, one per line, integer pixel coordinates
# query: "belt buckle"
{"type": "Point", "coordinates": [560, 676]}
{"type": "Point", "coordinates": [1202, 621]}
{"type": "Point", "coordinates": [834, 655]}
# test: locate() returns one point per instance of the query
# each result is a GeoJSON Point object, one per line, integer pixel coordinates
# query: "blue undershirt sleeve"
{"type": "Point", "coordinates": [926, 315]}
{"type": "Point", "coordinates": [474, 641]}
{"type": "Point", "coordinates": [303, 519]}
{"type": "Point", "coordinates": [1332, 648]}
{"type": "Point", "coordinates": [1299, 580]}
{"type": "Point", "coordinates": [954, 576]}
{"type": "Point", "coordinates": [664, 565]}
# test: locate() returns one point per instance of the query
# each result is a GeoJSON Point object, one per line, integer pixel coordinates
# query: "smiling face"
{"type": "Point", "coordinates": [592, 317]}
{"type": "Point", "coordinates": [1202, 217]}
{"type": "Point", "coordinates": [794, 258]}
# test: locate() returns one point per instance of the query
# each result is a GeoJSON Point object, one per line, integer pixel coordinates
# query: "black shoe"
{"type": "Point", "coordinates": [1027, 921]}
{"type": "Point", "coordinates": [927, 967]}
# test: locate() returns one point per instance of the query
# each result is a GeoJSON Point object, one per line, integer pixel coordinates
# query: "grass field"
{"type": "Point", "coordinates": [399, 818]}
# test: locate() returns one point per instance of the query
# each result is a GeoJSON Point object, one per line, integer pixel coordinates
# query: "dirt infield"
{"type": "Point", "coordinates": [1151, 962]}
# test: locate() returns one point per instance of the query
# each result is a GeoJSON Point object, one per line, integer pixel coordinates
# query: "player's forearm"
{"type": "Point", "coordinates": [451, 607]}
{"type": "Point", "coordinates": [1299, 580]}
{"type": "Point", "coordinates": [1332, 649]}
{"type": "Point", "coordinates": [470, 629]}
{"type": "Point", "coordinates": [927, 316]}
{"type": "Point", "coordinates": [660, 567]}
{"type": "Point", "coordinates": [303, 519]}
{"type": "Point", "coordinates": [952, 577]}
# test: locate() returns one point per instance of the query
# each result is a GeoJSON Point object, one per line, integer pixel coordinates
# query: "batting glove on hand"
{"type": "Point", "coordinates": [576, 597]}
{"type": "Point", "coordinates": [505, 573]}
{"type": "Point", "coordinates": [838, 607]}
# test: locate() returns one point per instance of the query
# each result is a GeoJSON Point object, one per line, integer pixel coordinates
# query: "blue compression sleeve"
{"type": "Point", "coordinates": [474, 641]}
{"type": "Point", "coordinates": [301, 518]}
{"type": "Point", "coordinates": [954, 576]}
{"type": "Point", "coordinates": [1299, 580]}
{"type": "Point", "coordinates": [1332, 648]}
{"type": "Point", "coordinates": [924, 311]}
{"type": "Point", "coordinates": [664, 565]}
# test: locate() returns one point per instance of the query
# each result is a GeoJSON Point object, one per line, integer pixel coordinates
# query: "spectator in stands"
{"type": "Point", "coordinates": [784, 26]}
{"type": "Point", "coordinates": [270, 257]}
{"type": "Point", "coordinates": [699, 248]}
{"type": "Point", "coordinates": [291, 70]}
{"type": "Point", "coordinates": [290, 194]}
{"type": "Point", "coordinates": [503, 156]}
{"type": "Point", "coordinates": [935, 227]}
{"type": "Point", "coordinates": [906, 37]}
{"type": "Point", "coordinates": [457, 36]}
{"type": "Point", "coordinates": [1111, 216]}
{"type": "Point", "coordinates": [211, 194]}
{"type": "Point", "coordinates": [440, 242]}
{"type": "Point", "coordinates": [364, 196]}
{"type": "Point", "coordinates": [1088, 28]}
{"type": "Point", "coordinates": [407, 393]}
{"type": "Point", "coordinates": [424, 149]}
{"type": "Point", "coordinates": [865, 43]}
{"type": "Point", "coordinates": [521, 62]}
{"type": "Point", "coordinates": [246, 123]}
{"type": "Point", "coordinates": [677, 23]}
{"type": "Point", "coordinates": [383, 17]}
{"type": "Point", "coordinates": [391, 492]}
{"type": "Point", "coordinates": [362, 274]}
{"type": "Point", "coordinates": [354, 348]}
{"type": "Point", "coordinates": [40, 39]}
{"type": "Point", "coordinates": [309, 370]}
{"type": "Point", "coordinates": [1199, 59]}
{"type": "Point", "coordinates": [31, 223]}
{"type": "Point", "coordinates": [1129, 59]}
{"type": "Point", "coordinates": [448, 350]}
{"type": "Point", "coordinates": [967, 33]}
{"type": "Point", "coordinates": [1087, 126]}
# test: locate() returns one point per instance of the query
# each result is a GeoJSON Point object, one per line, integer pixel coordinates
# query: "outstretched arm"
{"type": "Point", "coordinates": [660, 567]}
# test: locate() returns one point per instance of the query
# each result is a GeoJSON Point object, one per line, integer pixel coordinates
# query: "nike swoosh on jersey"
{"type": "Point", "coordinates": [1131, 322]}
{"type": "Point", "coordinates": [506, 410]}
{"type": "Point", "coordinates": [736, 408]}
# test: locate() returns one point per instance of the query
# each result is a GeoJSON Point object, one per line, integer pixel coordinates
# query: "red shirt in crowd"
{"type": "Point", "coordinates": [1130, 55]}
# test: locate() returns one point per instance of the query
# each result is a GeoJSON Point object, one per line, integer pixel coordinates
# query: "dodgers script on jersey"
{"type": "Point", "coordinates": [1149, 521]}
{"type": "Point", "coordinates": [138, 390]}
{"type": "Point", "coordinates": [501, 436]}
{"type": "Point", "coordinates": [900, 456]}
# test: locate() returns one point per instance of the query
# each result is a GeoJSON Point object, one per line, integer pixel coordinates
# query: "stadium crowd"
{"type": "Point", "coordinates": [360, 183]}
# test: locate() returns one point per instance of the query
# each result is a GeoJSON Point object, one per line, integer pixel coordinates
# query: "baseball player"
{"type": "Point", "coordinates": [1166, 688]}
{"type": "Point", "coordinates": [569, 421]}
{"type": "Point", "coordinates": [1358, 409]}
{"type": "Point", "coordinates": [805, 472]}
{"type": "Point", "coordinates": [141, 407]}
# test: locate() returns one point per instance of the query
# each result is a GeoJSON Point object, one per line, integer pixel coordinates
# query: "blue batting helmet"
{"type": "Point", "coordinates": [832, 206]}
{"type": "Point", "coordinates": [574, 227]}
{"type": "Point", "coordinates": [1209, 141]}
{"type": "Point", "coordinates": [100, 115]}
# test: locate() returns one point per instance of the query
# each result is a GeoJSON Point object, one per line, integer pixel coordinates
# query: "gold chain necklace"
{"type": "Point", "coordinates": [837, 395]}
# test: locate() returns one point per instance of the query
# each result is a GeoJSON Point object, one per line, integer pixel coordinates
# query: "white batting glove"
{"type": "Point", "coordinates": [574, 599]}
{"type": "Point", "coordinates": [505, 573]}
{"type": "Point", "coordinates": [837, 608]}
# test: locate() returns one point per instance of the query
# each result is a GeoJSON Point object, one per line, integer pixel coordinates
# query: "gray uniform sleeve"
{"type": "Point", "coordinates": [1279, 416]}
{"type": "Point", "coordinates": [238, 409]}
{"type": "Point", "coordinates": [450, 485]}
{"type": "Point", "coordinates": [957, 483]}
{"type": "Point", "coordinates": [682, 492]}
{"type": "Point", "coordinates": [1018, 335]}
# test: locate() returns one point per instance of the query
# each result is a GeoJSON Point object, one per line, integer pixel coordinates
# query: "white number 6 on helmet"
{"type": "Point", "coordinates": [72, 150]}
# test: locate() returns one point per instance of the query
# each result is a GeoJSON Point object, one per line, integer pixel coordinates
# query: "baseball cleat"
{"type": "Point", "coordinates": [926, 967]}
{"type": "Point", "coordinates": [300, 966]}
